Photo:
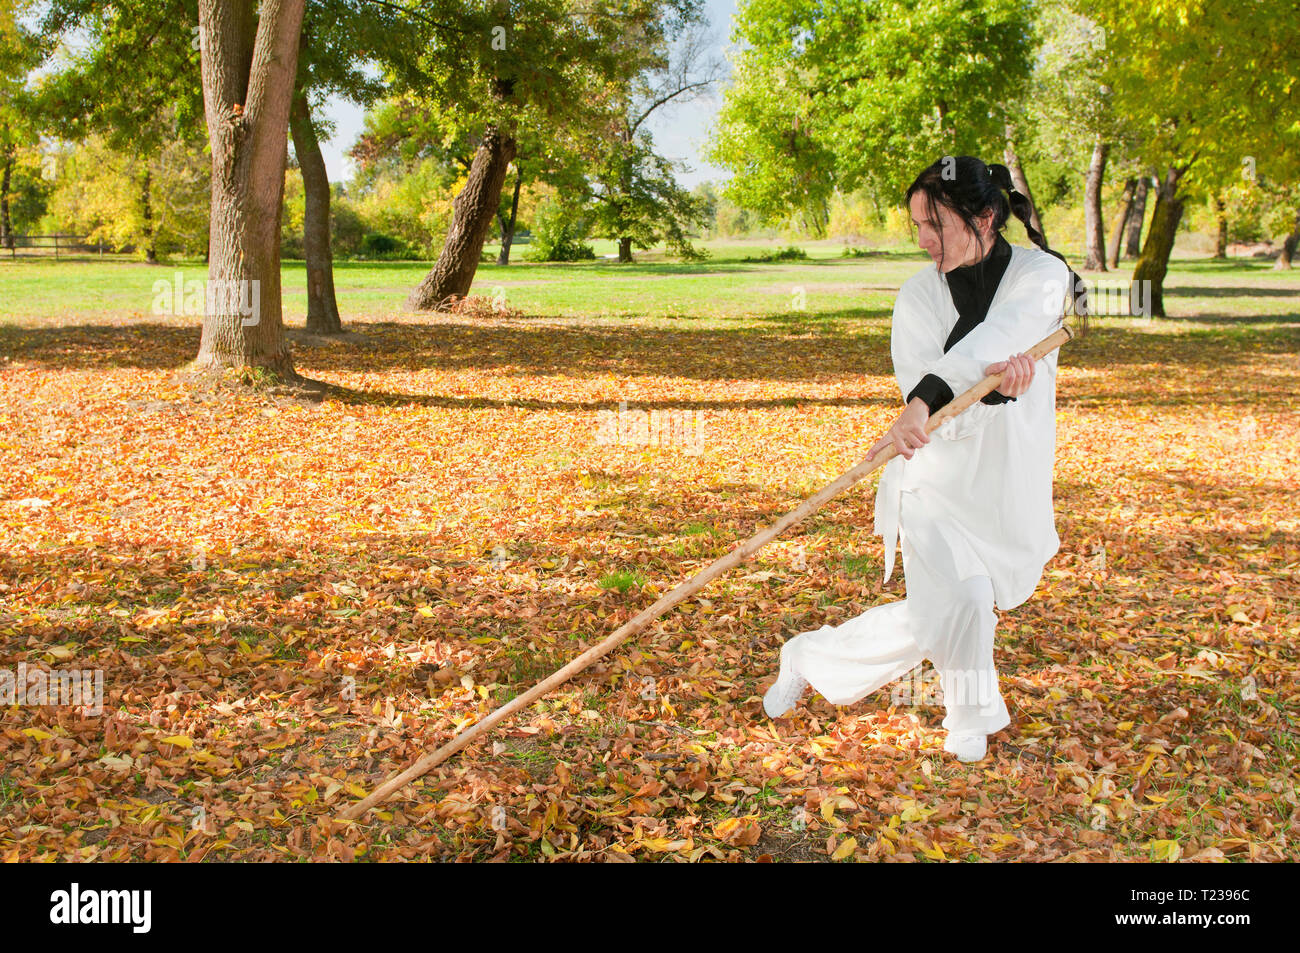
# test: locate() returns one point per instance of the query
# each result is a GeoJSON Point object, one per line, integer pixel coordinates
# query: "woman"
{"type": "Point", "coordinates": [974, 507]}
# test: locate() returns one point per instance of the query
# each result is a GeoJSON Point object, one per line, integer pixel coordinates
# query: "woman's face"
{"type": "Point", "coordinates": [948, 241]}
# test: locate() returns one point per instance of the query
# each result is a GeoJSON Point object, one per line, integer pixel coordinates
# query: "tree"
{"type": "Point", "coordinates": [156, 202]}
{"type": "Point", "coordinates": [142, 128]}
{"type": "Point", "coordinates": [19, 52]}
{"type": "Point", "coordinates": [322, 306]}
{"type": "Point", "coordinates": [547, 62]}
{"type": "Point", "coordinates": [1125, 210]}
{"type": "Point", "coordinates": [638, 199]}
{"type": "Point", "coordinates": [1076, 123]}
{"type": "Point", "coordinates": [1011, 158]}
{"type": "Point", "coordinates": [1136, 218]}
{"type": "Point", "coordinates": [343, 45]}
{"type": "Point", "coordinates": [250, 58]}
{"type": "Point", "coordinates": [1210, 88]}
{"type": "Point", "coordinates": [844, 95]}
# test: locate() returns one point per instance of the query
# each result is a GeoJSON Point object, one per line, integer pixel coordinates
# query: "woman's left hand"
{"type": "Point", "coordinates": [1019, 374]}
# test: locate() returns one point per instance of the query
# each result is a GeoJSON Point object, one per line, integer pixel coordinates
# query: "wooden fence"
{"type": "Point", "coordinates": [42, 245]}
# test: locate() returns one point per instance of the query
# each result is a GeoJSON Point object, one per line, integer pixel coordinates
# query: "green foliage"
{"type": "Point", "coordinates": [863, 94]}
{"type": "Point", "coordinates": [415, 208]}
{"type": "Point", "coordinates": [99, 191]}
{"type": "Point", "coordinates": [637, 197]}
{"type": "Point", "coordinates": [558, 234]}
{"type": "Point", "coordinates": [379, 247]}
{"type": "Point", "coordinates": [785, 253]}
{"type": "Point", "coordinates": [130, 74]}
{"type": "Point", "coordinates": [1208, 86]}
{"type": "Point", "coordinates": [29, 191]}
{"type": "Point", "coordinates": [347, 227]}
{"type": "Point", "coordinates": [622, 580]}
{"type": "Point", "coordinates": [1256, 212]}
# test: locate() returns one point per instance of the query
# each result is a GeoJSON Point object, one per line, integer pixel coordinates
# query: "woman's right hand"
{"type": "Point", "coordinates": [1017, 374]}
{"type": "Point", "coordinates": [907, 433]}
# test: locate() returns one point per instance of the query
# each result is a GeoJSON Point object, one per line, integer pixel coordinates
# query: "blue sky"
{"type": "Point", "coordinates": [679, 131]}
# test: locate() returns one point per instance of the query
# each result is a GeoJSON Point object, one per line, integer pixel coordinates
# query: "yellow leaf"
{"type": "Point", "coordinates": [426, 611]}
{"type": "Point", "coordinates": [828, 810]}
{"type": "Point", "coordinates": [1124, 726]}
{"type": "Point", "coordinates": [37, 733]}
{"type": "Point", "coordinates": [1146, 765]}
{"type": "Point", "coordinates": [179, 741]}
{"type": "Point", "coordinates": [845, 849]}
{"type": "Point", "coordinates": [1169, 850]}
{"type": "Point", "coordinates": [661, 845]}
{"type": "Point", "coordinates": [934, 853]}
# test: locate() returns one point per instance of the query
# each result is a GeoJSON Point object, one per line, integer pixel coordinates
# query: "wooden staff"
{"type": "Point", "coordinates": [686, 589]}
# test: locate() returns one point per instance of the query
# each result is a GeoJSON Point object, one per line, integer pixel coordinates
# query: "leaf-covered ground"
{"type": "Point", "coordinates": [289, 601]}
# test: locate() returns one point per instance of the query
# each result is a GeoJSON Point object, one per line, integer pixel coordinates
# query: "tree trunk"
{"type": "Point", "coordinates": [249, 64]}
{"type": "Point", "coordinates": [1287, 254]}
{"type": "Point", "coordinates": [625, 250]}
{"type": "Point", "coordinates": [1126, 209]}
{"type": "Point", "coordinates": [6, 171]}
{"type": "Point", "coordinates": [146, 212]}
{"type": "Point", "coordinates": [1133, 241]}
{"type": "Point", "coordinates": [1096, 237]}
{"type": "Point", "coordinates": [322, 307]}
{"type": "Point", "coordinates": [1221, 217]}
{"type": "Point", "coordinates": [1154, 263]}
{"type": "Point", "coordinates": [1018, 179]}
{"type": "Point", "coordinates": [508, 228]}
{"type": "Point", "coordinates": [472, 213]}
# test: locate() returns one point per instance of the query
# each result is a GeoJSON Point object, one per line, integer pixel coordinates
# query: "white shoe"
{"type": "Point", "coordinates": [785, 691]}
{"type": "Point", "coordinates": [966, 747]}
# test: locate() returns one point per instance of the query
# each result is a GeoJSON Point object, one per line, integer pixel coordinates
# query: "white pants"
{"type": "Point", "coordinates": [948, 621]}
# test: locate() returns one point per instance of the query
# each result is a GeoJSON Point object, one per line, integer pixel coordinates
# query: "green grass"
{"type": "Point", "coordinates": [730, 285]}
{"type": "Point", "coordinates": [622, 580]}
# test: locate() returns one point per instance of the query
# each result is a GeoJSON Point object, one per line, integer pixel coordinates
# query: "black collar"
{"type": "Point", "coordinates": [973, 287]}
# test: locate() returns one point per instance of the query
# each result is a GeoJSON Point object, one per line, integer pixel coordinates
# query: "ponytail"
{"type": "Point", "coordinates": [1023, 210]}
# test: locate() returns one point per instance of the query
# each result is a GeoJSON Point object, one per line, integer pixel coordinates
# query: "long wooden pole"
{"type": "Point", "coordinates": [686, 589]}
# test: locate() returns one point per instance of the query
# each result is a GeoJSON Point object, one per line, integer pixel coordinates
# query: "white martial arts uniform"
{"type": "Point", "coordinates": [974, 505]}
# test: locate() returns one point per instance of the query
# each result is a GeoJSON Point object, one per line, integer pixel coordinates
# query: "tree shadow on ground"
{"type": "Point", "coordinates": [856, 350]}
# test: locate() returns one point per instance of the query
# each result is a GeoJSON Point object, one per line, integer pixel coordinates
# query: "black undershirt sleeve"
{"type": "Point", "coordinates": [936, 393]}
{"type": "Point", "coordinates": [934, 390]}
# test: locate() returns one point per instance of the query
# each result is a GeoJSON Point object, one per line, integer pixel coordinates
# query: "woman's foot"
{"type": "Point", "coordinates": [785, 691]}
{"type": "Point", "coordinates": [966, 747]}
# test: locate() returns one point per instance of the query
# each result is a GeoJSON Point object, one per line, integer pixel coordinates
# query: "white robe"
{"type": "Point", "coordinates": [985, 483]}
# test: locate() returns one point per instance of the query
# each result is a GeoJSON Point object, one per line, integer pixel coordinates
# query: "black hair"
{"type": "Point", "coordinates": [969, 187]}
